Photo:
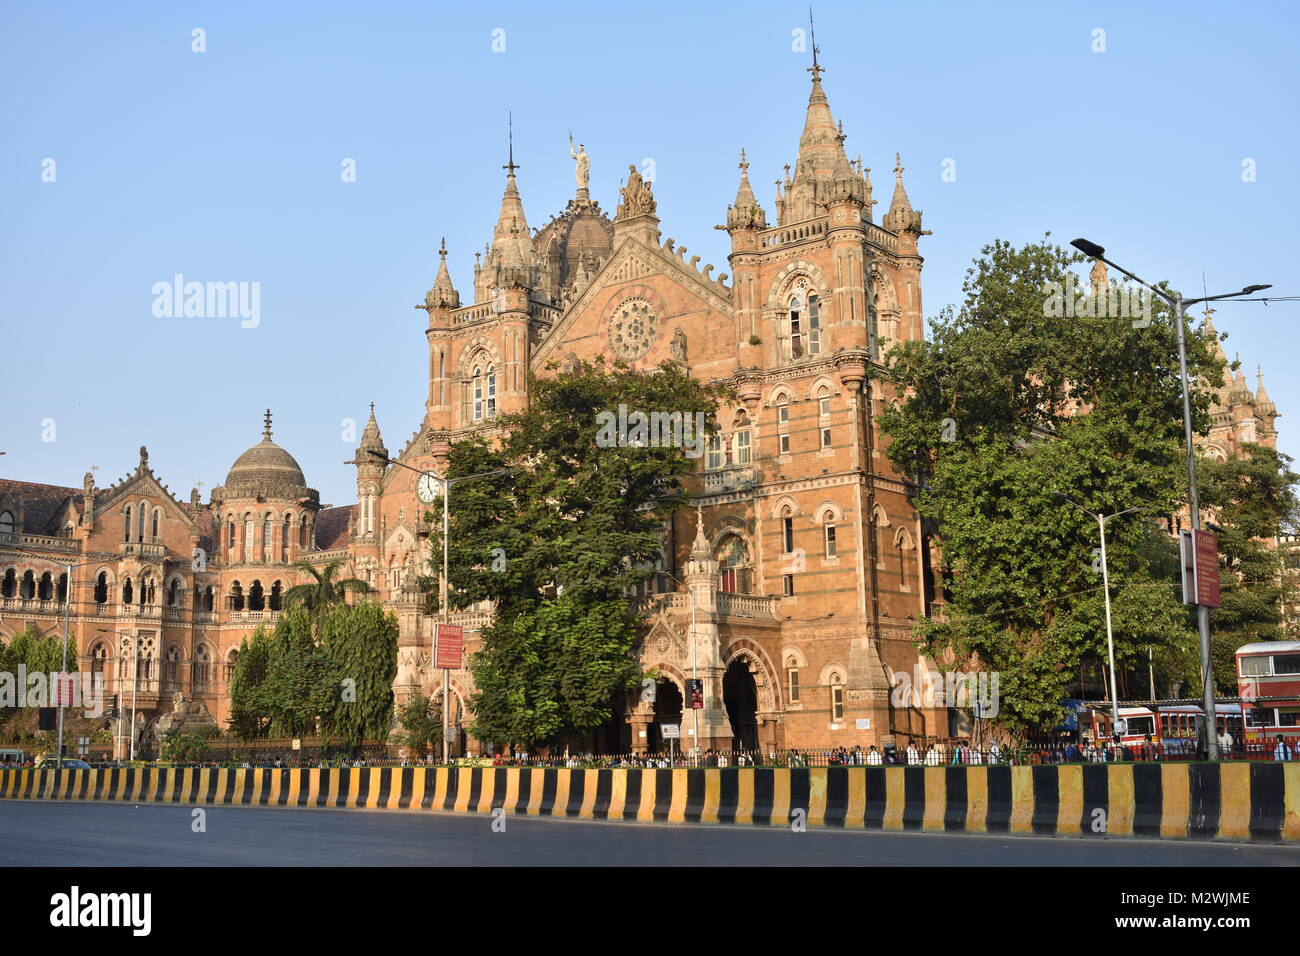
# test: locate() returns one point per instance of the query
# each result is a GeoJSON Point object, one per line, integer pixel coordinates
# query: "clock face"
{"type": "Point", "coordinates": [429, 487]}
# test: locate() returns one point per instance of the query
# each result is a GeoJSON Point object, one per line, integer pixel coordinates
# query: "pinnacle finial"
{"type": "Point", "coordinates": [744, 165]}
{"type": "Point", "coordinates": [816, 69]}
{"type": "Point", "coordinates": [510, 166]}
{"type": "Point", "coordinates": [898, 167]}
{"type": "Point", "coordinates": [442, 249]}
{"type": "Point", "coordinates": [266, 432]}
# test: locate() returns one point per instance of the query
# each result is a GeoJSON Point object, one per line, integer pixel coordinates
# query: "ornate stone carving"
{"type": "Point", "coordinates": [633, 328]}
{"type": "Point", "coordinates": [637, 197]}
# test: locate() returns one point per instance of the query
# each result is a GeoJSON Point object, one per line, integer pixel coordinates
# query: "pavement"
{"type": "Point", "coordinates": [105, 834]}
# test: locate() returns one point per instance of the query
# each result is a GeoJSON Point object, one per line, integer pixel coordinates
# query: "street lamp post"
{"type": "Point", "coordinates": [1105, 586]}
{"type": "Point", "coordinates": [446, 484]}
{"type": "Point", "coordinates": [1180, 304]}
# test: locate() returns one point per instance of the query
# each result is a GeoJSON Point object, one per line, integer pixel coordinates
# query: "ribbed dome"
{"type": "Point", "coordinates": [266, 462]}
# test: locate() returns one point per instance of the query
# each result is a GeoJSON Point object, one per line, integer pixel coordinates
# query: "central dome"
{"type": "Point", "coordinates": [266, 461]}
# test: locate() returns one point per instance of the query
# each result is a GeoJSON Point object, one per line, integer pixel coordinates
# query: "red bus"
{"type": "Point", "coordinates": [1175, 726]}
{"type": "Point", "coordinates": [1268, 682]}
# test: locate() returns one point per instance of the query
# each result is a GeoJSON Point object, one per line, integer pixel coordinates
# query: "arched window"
{"type": "Point", "coordinates": [275, 596]}
{"type": "Point", "coordinates": [6, 522]}
{"type": "Point", "coordinates": [146, 589]}
{"type": "Point", "coordinates": [824, 402]}
{"type": "Point", "coordinates": [814, 326]}
{"type": "Point", "coordinates": [230, 538]}
{"type": "Point", "coordinates": [171, 670]}
{"type": "Point", "coordinates": [837, 697]}
{"type": "Point", "coordinates": [284, 539]}
{"type": "Point", "coordinates": [126, 526]}
{"type": "Point", "coordinates": [173, 593]}
{"type": "Point", "coordinates": [63, 587]}
{"type": "Point", "coordinates": [248, 537]}
{"type": "Point", "coordinates": [207, 598]}
{"type": "Point", "coordinates": [741, 448]}
{"type": "Point", "coordinates": [9, 584]}
{"type": "Point", "coordinates": [27, 589]}
{"type": "Point", "coordinates": [792, 680]}
{"type": "Point", "coordinates": [101, 588]}
{"type": "Point", "coordinates": [153, 534]}
{"type": "Point", "coordinates": [733, 559]}
{"type": "Point", "coordinates": [45, 590]}
{"type": "Point", "coordinates": [828, 531]}
{"type": "Point", "coordinates": [483, 392]}
{"type": "Point", "coordinates": [796, 327]}
{"type": "Point", "coordinates": [236, 596]}
{"type": "Point", "coordinates": [302, 533]}
{"type": "Point", "coordinates": [714, 460]}
{"type": "Point", "coordinates": [256, 599]}
{"type": "Point", "coordinates": [267, 537]}
{"type": "Point", "coordinates": [98, 658]}
{"type": "Point", "coordinates": [202, 667]}
{"type": "Point", "coordinates": [787, 531]}
{"type": "Point", "coordinates": [231, 660]}
{"type": "Point", "coordinates": [139, 522]}
{"type": "Point", "coordinates": [127, 591]}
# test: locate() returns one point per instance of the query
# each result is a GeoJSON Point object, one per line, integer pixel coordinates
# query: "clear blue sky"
{"type": "Point", "coordinates": [225, 166]}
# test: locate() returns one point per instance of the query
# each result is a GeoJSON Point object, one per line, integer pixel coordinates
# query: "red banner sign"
{"type": "Point", "coordinates": [1207, 568]}
{"type": "Point", "coordinates": [449, 646]}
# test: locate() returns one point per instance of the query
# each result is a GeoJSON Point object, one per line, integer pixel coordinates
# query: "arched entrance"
{"type": "Point", "coordinates": [668, 710]}
{"type": "Point", "coordinates": [740, 697]}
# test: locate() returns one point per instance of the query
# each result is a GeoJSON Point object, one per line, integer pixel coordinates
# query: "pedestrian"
{"type": "Point", "coordinates": [995, 753]}
{"type": "Point", "coordinates": [957, 754]}
{"type": "Point", "coordinates": [1225, 741]}
{"type": "Point", "coordinates": [873, 757]}
{"type": "Point", "coordinates": [1283, 750]}
{"type": "Point", "coordinates": [913, 755]}
{"type": "Point", "coordinates": [931, 756]}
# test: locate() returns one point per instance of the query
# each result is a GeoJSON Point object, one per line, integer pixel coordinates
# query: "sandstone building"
{"type": "Point", "coordinates": [805, 564]}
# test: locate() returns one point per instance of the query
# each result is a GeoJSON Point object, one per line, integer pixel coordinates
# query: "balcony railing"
{"type": "Point", "coordinates": [746, 605]}
{"type": "Point", "coordinates": [143, 549]}
{"type": "Point", "coordinates": [31, 605]}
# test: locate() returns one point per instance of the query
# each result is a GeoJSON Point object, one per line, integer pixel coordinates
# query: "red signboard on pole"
{"type": "Point", "coordinates": [65, 690]}
{"type": "Point", "coordinates": [449, 641]}
{"type": "Point", "coordinates": [1207, 568]}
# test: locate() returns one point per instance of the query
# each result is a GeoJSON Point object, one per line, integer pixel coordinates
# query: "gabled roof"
{"type": "Point", "coordinates": [41, 504]}
{"type": "Point", "coordinates": [332, 527]}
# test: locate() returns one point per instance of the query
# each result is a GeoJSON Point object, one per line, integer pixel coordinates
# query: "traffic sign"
{"type": "Point", "coordinates": [1207, 568]}
{"type": "Point", "coordinates": [670, 731]}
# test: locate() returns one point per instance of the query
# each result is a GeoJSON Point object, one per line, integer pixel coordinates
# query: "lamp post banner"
{"type": "Point", "coordinates": [1207, 568]}
{"type": "Point", "coordinates": [449, 640]}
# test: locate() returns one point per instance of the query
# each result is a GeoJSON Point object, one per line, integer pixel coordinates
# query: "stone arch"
{"type": "Point", "coordinates": [766, 677]}
{"type": "Point", "coordinates": [783, 283]}
{"type": "Point", "coordinates": [779, 392]}
{"type": "Point", "coordinates": [792, 656]}
{"type": "Point", "coordinates": [883, 294]}
{"type": "Point", "coordinates": [470, 352]}
{"type": "Point", "coordinates": [785, 501]}
{"type": "Point", "coordinates": [831, 386]}
{"type": "Point", "coordinates": [836, 512]}
{"type": "Point", "coordinates": [903, 539]}
{"type": "Point", "coordinates": [832, 674]}
{"type": "Point", "coordinates": [879, 516]}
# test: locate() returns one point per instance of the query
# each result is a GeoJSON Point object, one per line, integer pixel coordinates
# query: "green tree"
{"type": "Point", "coordinates": [248, 708]}
{"type": "Point", "coordinates": [1007, 404]}
{"type": "Point", "coordinates": [323, 591]}
{"type": "Point", "coordinates": [360, 643]}
{"type": "Point", "coordinates": [557, 542]}
{"type": "Point", "coordinates": [420, 722]}
{"type": "Point", "coordinates": [1253, 499]}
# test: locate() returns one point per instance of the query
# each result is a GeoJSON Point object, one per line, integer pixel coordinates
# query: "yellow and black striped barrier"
{"type": "Point", "coordinates": [1232, 801]}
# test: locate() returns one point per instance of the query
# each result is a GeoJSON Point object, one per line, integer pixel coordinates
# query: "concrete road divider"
{"type": "Point", "coordinates": [1232, 801]}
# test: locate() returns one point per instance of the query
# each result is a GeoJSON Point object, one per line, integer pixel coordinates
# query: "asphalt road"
{"type": "Point", "coordinates": [91, 834]}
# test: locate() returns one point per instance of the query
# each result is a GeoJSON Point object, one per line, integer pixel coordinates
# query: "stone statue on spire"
{"type": "Point", "coordinates": [582, 170]}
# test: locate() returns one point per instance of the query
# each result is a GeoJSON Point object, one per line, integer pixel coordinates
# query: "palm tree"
{"type": "Point", "coordinates": [323, 590]}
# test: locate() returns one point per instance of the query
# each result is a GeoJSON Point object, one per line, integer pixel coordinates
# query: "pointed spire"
{"type": "Point", "coordinates": [509, 261]}
{"type": "Point", "coordinates": [443, 294]}
{"type": "Point", "coordinates": [1263, 403]}
{"type": "Point", "coordinates": [821, 170]}
{"type": "Point", "coordinates": [745, 211]}
{"type": "Point", "coordinates": [266, 432]}
{"type": "Point", "coordinates": [700, 547]}
{"type": "Point", "coordinates": [901, 216]}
